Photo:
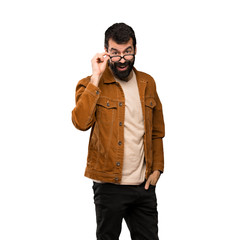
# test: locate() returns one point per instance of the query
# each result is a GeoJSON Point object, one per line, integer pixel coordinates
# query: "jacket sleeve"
{"type": "Point", "coordinates": [87, 95]}
{"type": "Point", "coordinates": [158, 132]}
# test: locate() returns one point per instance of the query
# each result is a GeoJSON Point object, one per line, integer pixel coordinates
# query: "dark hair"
{"type": "Point", "coordinates": [120, 33]}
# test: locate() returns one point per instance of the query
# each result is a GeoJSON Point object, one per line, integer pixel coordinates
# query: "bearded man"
{"type": "Point", "coordinates": [125, 154]}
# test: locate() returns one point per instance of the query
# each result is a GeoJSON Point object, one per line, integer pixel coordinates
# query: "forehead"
{"type": "Point", "coordinates": [119, 47]}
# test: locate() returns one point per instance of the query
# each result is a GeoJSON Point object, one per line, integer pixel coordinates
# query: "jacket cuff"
{"type": "Point", "coordinates": [158, 167]}
{"type": "Point", "coordinates": [92, 89]}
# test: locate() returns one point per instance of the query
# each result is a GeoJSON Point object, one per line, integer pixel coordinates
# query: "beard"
{"type": "Point", "coordinates": [122, 75]}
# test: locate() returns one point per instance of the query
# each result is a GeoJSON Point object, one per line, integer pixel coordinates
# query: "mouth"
{"type": "Point", "coordinates": [124, 68]}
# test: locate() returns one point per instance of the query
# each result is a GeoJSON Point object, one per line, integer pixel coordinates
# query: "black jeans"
{"type": "Point", "coordinates": [133, 203]}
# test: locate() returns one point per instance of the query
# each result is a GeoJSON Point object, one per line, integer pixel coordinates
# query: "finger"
{"type": "Point", "coordinates": [103, 54]}
{"type": "Point", "coordinates": [106, 58]}
{"type": "Point", "coordinates": [147, 185]}
{"type": "Point", "coordinates": [106, 53]}
{"type": "Point", "coordinates": [103, 60]}
{"type": "Point", "coordinates": [95, 58]}
{"type": "Point", "coordinates": [100, 60]}
{"type": "Point", "coordinates": [100, 57]}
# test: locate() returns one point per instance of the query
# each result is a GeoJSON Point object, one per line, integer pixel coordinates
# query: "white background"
{"type": "Point", "coordinates": [192, 50]}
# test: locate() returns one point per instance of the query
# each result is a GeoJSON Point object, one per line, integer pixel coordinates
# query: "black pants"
{"type": "Point", "coordinates": [133, 203]}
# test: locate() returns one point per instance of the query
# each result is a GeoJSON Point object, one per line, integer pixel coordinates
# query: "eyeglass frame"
{"type": "Point", "coordinates": [122, 57]}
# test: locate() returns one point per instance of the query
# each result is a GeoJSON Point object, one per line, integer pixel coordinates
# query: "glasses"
{"type": "Point", "coordinates": [127, 57]}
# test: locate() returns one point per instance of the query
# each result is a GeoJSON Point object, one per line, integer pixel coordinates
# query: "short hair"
{"type": "Point", "coordinates": [120, 33]}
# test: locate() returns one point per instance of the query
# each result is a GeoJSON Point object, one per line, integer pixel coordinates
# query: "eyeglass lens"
{"type": "Point", "coordinates": [118, 58]}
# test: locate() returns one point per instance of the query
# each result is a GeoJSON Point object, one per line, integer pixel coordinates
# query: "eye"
{"type": "Point", "coordinates": [114, 53]}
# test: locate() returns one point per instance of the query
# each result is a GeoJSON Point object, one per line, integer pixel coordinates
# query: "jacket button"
{"type": "Point", "coordinates": [120, 104]}
{"type": "Point", "coordinates": [119, 143]}
{"type": "Point", "coordinates": [108, 104]}
{"type": "Point", "coordinates": [151, 103]}
{"type": "Point", "coordinates": [116, 179]}
{"type": "Point", "coordinates": [118, 164]}
{"type": "Point", "coordinates": [120, 123]}
{"type": "Point", "coordinates": [97, 92]}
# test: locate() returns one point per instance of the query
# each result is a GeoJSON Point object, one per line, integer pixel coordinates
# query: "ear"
{"type": "Point", "coordinates": [135, 49]}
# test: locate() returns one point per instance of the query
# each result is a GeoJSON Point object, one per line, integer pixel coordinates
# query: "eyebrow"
{"type": "Point", "coordinates": [114, 49]}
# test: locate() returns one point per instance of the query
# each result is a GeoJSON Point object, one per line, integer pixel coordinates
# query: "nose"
{"type": "Point", "coordinates": [122, 60]}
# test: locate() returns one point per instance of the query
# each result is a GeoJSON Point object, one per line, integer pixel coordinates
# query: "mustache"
{"type": "Point", "coordinates": [119, 64]}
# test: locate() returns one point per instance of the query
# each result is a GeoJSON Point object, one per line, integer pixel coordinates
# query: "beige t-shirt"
{"type": "Point", "coordinates": [134, 166]}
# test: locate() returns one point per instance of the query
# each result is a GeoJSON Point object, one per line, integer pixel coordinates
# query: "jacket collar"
{"type": "Point", "coordinates": [108, 76]}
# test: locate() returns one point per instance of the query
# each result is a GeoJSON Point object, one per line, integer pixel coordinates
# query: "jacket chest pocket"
{"type": "Point", "coordinates": [106, 110]}
{"type": "Point", "coordinates": [150, 103]}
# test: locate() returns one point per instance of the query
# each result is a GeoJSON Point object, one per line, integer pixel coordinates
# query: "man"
{"type": "Point", "coordinates": [125, 153]}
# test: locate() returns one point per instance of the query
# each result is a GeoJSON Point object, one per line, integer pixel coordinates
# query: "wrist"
{"type": "Point", "coordinates": [95, 79]}
{"type": "Point", "coordinates": [156, 172]}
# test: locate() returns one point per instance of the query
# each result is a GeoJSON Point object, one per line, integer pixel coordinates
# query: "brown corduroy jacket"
{"type": "Point", "coordinates": [102, 108]}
